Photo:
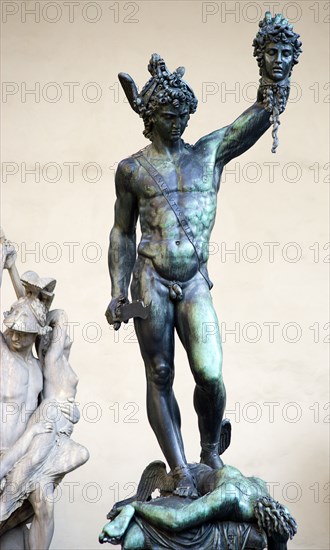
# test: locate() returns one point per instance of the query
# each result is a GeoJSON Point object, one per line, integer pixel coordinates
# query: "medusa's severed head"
{"type": "Point", "coordinates": [277, 47]}
{"type": "Point", "coordinates": [162, 88]}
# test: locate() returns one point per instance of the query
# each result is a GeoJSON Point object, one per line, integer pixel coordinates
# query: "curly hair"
{"type": "Point", "coordinates": [161, 89]}
{"type": "Point", "coordinates": [274, 518]}
{"type": "Point", "coordinates": [275, 29]}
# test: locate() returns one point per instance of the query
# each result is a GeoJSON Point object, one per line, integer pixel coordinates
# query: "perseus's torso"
{"type": "Point", "coordinates": [192, 183]}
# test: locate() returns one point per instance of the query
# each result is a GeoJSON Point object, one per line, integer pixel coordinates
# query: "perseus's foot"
{"type": "Point", "coordinates": [184, 483]}
{"type": "Point", "coordinates": [210, 456]}
{"type": "Point", "coordinates": [114, 530]}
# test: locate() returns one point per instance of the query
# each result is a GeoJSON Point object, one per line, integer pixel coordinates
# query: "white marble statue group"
{"type": "Point", "coordinates": [38, 410]}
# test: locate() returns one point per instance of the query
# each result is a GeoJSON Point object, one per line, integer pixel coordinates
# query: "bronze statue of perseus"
{"type": "Point", "coordinates": [172, 187]}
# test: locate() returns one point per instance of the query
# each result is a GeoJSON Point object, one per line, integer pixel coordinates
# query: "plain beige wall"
{"type": "Point", "coordinates": [277, 387]}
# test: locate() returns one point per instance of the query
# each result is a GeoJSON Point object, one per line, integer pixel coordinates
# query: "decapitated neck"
{"type": "Point", "coordinates": [266, 81]}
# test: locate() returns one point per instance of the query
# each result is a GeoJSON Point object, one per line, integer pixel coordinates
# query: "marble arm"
{"type": "Point", "coordinates": [7, 259]}
{"type": "Point", "coordinates": [70, 410]}
{"type": "Point", "coordinates": [57, 319]}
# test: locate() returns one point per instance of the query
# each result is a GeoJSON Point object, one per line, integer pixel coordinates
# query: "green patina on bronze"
{"type": "Point", "coordinates": [172, 188]}
{"type": "Point", "coordinates": [231, 505]}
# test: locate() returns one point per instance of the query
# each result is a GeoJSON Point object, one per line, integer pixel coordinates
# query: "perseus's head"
{"type": "Point", "coordinates": [162, 89]}
{"type": "Point", "coordinates": [277, 47]}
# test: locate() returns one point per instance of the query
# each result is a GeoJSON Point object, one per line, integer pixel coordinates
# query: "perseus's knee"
{"type": "Point", "coordinates": [161, 376]}
{"type": "Point", "coordinates": [209, 377]}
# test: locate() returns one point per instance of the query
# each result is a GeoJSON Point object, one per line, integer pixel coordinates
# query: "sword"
{"type": "Point", "coordinates": [125, 312]}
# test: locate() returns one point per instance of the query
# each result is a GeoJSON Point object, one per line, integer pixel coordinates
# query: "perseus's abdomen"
{"type": "Point", "coordinates": [174, 260]}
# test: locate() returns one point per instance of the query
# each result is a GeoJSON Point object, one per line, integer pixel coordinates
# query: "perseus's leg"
{"type": "Point", "coordinates": [156, 340]}
{"type": "Point", "coordinates": [197, 326]}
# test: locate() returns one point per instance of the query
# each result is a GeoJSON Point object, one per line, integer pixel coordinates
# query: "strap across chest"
{"type": "Point", "coordinates": [162, 185]}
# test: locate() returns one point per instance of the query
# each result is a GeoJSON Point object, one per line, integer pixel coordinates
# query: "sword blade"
{"type": "Point", "coordinates": [134, 309]}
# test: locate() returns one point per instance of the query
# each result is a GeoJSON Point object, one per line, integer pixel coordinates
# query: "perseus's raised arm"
{"type": "Point", "coordinates": [277, 48]}
{"type": "Point", "coordinates": [239, 136]}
